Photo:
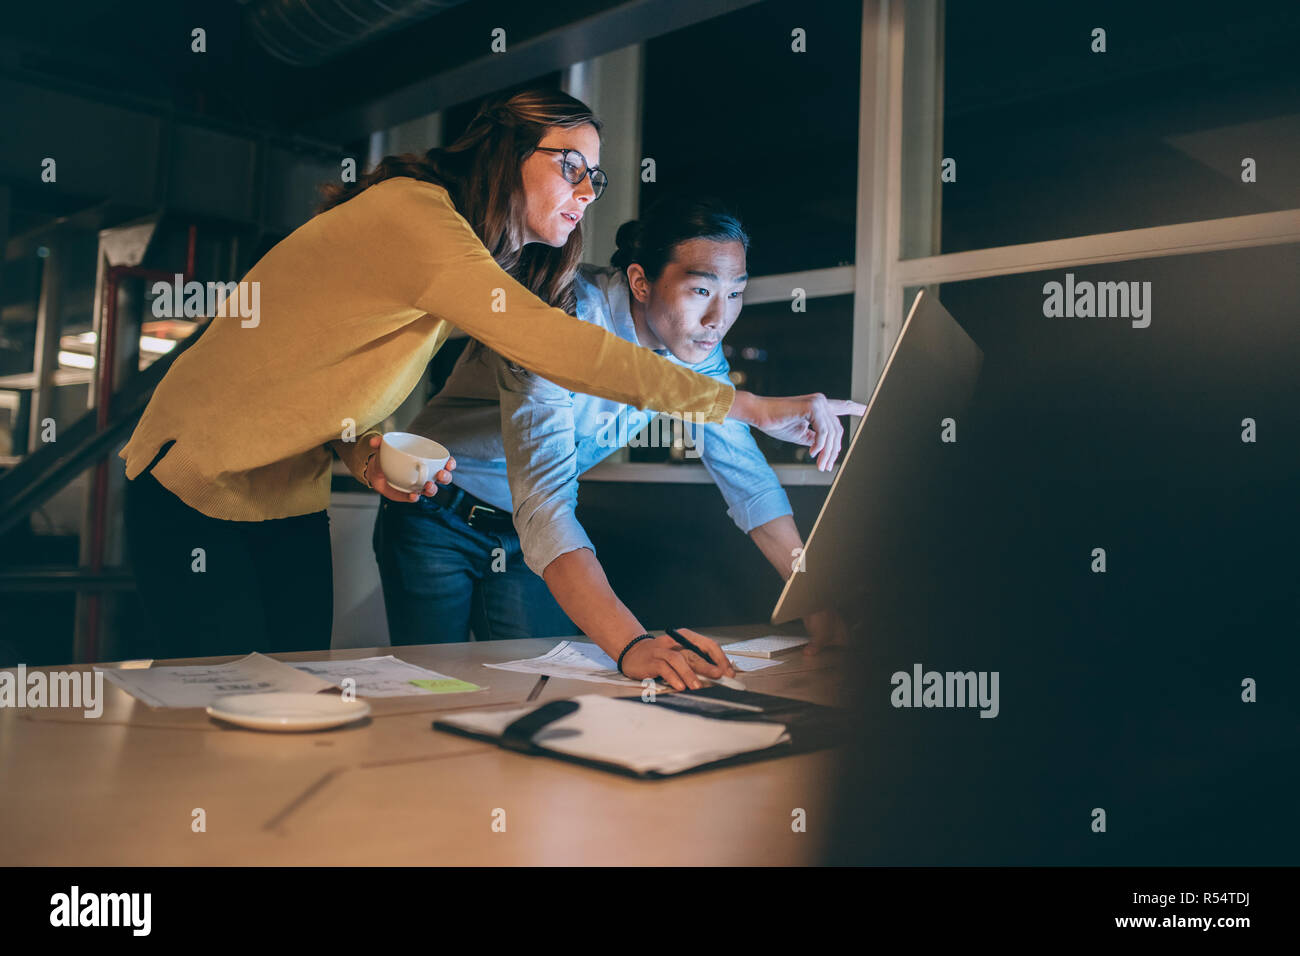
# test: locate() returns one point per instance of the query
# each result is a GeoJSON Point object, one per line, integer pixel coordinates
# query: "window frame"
{"type": "Point", "coordinates": [902, 53]}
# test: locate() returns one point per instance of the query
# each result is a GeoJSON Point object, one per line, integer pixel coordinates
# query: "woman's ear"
{"type": "Point", "coordinates": [637, 282]}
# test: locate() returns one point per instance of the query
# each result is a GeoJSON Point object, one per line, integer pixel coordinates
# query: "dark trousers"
{"type": "Point", "coordinates": [442, 579]}
{"type": "Point", "coordinates": [257, 586]}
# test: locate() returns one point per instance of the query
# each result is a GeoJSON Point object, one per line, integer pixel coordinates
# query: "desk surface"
{"type": "Point", "coordinates": [389, 790]}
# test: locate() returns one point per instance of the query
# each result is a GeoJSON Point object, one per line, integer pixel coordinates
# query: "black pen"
{"type": "Point", "coordinates": [681, 639]}
{"type": "Point", "coordinates": [677, 636]}
{"type": "Point", "coordinates": [537, 688]}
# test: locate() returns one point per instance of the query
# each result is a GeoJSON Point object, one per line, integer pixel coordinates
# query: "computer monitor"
{"type": "Point", "coordinates": [914, 413]}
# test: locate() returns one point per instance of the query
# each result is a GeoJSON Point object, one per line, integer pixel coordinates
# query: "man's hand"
{"type": "Point", "coordinates": [375, 475]}
{"type": "Point", "coordinates": [665, 658]}
{"type": "Point", "coordinates": [811, 420]}
{"type": "Point", "coordinates": [826, 629]}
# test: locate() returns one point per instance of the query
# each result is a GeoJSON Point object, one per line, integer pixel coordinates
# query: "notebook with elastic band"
{"type": "Point", "coordinates": [671, 734]}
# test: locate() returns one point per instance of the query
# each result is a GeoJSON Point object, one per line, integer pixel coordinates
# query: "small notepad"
{"type": "Point", "coordinates": [768, 646]}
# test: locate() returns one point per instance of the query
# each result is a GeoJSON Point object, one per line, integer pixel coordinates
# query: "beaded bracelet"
{"type": "Point", "coordinates": [630, 644]}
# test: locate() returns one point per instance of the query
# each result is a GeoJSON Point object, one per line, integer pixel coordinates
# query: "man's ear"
{"type": "Point", "coordinates": [638, 282]}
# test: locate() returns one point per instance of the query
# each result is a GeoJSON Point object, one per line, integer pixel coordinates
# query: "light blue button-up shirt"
{"type": "Point", "coordinates": [521, 441]}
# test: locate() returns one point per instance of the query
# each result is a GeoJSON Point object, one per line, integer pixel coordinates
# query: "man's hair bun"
{"type": "Point", "coordinates": [651, 240]}
{"type": "Point", "coordinates": [628, 239]}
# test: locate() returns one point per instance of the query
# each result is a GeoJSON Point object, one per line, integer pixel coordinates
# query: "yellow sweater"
{"type": "Point", "coordinates": [353, 304]}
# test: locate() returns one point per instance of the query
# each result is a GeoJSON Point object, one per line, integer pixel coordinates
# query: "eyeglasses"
{"type": "Point", "coordinates": [575, 169]}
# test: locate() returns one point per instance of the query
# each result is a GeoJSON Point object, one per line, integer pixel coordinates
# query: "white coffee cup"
{"type": "Point", "coordinates": [410, 460]}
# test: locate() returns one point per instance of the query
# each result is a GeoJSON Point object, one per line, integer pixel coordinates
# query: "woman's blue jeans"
{"type": "Point", "coordinates": [439, 583]}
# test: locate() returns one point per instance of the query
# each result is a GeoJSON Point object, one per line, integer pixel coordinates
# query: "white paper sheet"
{"type": "Point", "coordinates": [386, 677]}
{"type": "Point", "coordinates": [575, 660]}
{"type": "Point", "coordinates": [198, 685]}
{"type": "Point", "coordinates": [763, 647]}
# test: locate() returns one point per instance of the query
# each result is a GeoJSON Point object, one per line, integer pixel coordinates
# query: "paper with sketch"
{"type": "Point", "coordinates": [643, 737]}
{"type": "Point", "coordinates": [574, 660]}
{"type": "Point", "coordinates": [385, 677]}
{"type": "Point", "coordinates": [198, 685]}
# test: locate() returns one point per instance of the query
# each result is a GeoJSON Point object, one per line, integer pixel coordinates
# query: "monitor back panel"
{"type": "Point", "coordinates": [929, 377]}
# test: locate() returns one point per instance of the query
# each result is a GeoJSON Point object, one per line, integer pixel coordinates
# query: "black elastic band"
{"type": "Point", "coordinates": [519, 735]}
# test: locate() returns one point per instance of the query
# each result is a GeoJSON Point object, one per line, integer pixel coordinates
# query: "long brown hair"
{"type": "Point", "coordinates": [482, 172]}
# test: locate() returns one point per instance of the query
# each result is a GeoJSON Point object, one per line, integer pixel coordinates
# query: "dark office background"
{"type": "Point", "coordinates": [1120, 690]}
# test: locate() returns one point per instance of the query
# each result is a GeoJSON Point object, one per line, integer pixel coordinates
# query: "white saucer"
{"type": "Point", "coordinates": [289, 712]}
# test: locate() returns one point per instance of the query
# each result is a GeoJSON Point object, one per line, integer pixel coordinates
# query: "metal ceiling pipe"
{"type": "Point", "coordinates": [310, 32]}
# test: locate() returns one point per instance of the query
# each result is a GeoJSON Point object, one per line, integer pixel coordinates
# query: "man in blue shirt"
{"type": "Point", "coordinates": [452, 562]}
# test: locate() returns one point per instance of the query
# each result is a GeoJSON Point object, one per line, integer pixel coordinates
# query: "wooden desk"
{"type": "Point", "coordinates": [120, 789]}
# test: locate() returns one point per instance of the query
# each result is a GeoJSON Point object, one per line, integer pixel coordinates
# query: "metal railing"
{"type": "Point", "coordinates": [89, 442]}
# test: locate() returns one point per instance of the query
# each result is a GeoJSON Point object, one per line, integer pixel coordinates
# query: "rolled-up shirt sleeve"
{"type": "Point", "coordinates": [537, 431]}
{"type": "Point", "coordinates": [728, 451]}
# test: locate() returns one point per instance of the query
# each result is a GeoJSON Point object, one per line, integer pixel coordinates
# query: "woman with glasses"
{"type": "Point", "coordinates": [229, 466]}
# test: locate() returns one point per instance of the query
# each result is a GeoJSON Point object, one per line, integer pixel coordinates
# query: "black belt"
{"type": "Point", "coordinates": [478, 514]}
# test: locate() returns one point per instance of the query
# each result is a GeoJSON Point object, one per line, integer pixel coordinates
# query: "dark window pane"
{"type": "Point", "coordinates": [774, 351]}
{"type": "Point", "coordinates": [1052, 140]}
{"type": "Point", "coordinates": [20, 286]}
{"type": "Point", "coordinates": [732, 111]}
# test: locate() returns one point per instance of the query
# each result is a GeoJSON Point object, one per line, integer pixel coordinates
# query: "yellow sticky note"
{"type": "Point", "coordinates": [445, 685]}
